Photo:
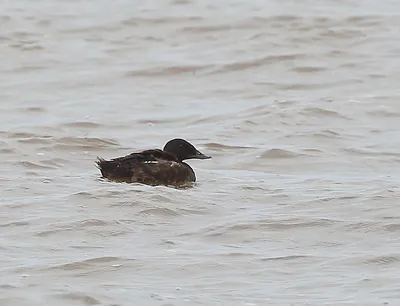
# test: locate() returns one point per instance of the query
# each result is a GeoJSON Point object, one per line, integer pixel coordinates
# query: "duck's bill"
{"type": "Point", "coordinates": [200, 155]}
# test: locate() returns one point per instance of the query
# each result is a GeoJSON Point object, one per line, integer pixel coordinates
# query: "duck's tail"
{"type": "Point", "coordinates": [104, 166]}
{"type": "Point", "coordinates": [114, 169]}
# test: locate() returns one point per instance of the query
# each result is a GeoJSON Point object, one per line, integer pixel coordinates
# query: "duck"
{"type": "Point", "coordinates": [154, 166]}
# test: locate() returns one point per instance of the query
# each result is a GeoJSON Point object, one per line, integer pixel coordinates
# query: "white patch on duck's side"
{"type": "Point", "coordinates": [174, 164]}
{"type": "Point", "coordinates": [151, 162]}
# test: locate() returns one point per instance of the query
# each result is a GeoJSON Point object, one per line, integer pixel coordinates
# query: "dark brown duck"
{"type": "Point", "coordinates": [154, 167]}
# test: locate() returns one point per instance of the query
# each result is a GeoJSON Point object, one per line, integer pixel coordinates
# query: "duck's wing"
{"type": "Point", "coordinates": [121, 167]}
{"type": "Point", "coordinates": [158, 155]}
{"type": "Point", "coordinates": [145, 156]}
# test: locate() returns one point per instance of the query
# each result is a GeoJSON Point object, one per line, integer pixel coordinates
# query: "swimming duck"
{"type": "Point", "coordinates": [154, 166]}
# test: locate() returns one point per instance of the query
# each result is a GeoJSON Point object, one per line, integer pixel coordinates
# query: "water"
{"type": "Point", "coordinates": [297, 103]}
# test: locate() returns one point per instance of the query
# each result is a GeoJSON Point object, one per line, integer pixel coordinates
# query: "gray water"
{"type": "Point", "coordinates": [297, 103]}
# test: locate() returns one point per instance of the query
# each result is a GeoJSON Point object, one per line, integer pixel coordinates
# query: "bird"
{"type": "Point", "coordinates": [154, 166]}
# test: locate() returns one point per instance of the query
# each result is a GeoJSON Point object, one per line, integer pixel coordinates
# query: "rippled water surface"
{"type": "Point", "coordinates": [296, 101]}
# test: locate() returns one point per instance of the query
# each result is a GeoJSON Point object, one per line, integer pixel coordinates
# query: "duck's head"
{"type": "Point", "coordinates": [183, 150]}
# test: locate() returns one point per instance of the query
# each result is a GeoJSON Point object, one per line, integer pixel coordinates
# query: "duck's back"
{"type": "Point", "coordinates": [151, 167]}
